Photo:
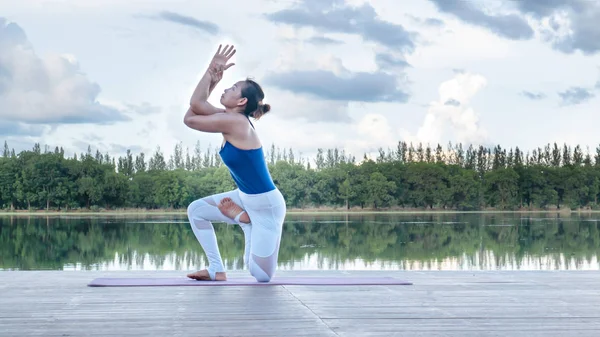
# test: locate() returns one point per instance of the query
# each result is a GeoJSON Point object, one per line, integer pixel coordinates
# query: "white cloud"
{"type": "Point", "coordinates": [49, 89]}
{"type": "Point", "coordinates": [451, 117]}
{"type": "Point", "coordinates": [373, 131]}
{"type": "Point", "coordinates": [462, 87]}
{"type": "Point", "coordinates": [458, 45]}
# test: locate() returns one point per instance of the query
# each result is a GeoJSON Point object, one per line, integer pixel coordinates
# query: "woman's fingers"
{"type": "Point", "coordinates": [231, 52]}
{"type": "Point", "coordinates": [228, 51]}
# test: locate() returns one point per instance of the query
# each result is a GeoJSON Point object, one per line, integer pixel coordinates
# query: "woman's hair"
{"type": "Point", "coordinates": [254, 93]}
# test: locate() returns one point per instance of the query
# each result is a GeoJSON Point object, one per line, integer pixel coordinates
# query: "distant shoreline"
{"type": "Point", "coordinates": [307, 211]}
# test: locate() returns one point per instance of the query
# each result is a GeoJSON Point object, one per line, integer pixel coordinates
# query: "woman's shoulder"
{"type": "Point", "coordinates": [244, 138]}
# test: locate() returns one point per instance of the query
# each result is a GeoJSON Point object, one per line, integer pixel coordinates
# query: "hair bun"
{"type": "Point", "coordinates": [266, 108]}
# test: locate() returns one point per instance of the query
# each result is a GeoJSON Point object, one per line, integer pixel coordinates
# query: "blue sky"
{"type": "Point", "coordinates": [350, 74]}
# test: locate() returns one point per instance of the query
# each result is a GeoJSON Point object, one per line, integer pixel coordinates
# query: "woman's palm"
{"type": "Point", "coordinates": [219, 61]}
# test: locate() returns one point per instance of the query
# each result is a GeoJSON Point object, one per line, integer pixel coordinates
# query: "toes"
{"type": "Point", "coordinates": [224, 204]}
{"type": "Point", "coordinates": [201, 275]}
{"type": "Point", "coordinates": [228, 207]}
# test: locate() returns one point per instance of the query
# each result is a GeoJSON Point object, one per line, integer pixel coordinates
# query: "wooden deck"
{"type": "Point", "coordinates": [438, 304]}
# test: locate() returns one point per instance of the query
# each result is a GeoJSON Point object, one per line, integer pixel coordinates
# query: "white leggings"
{"type": "Point", "coordinates": [262, 235]}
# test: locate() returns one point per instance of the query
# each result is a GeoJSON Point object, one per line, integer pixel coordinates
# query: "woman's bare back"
{"type": "Point", "coordinates": [244, 136]}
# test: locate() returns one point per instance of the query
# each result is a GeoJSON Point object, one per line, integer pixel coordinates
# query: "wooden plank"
{"type": "Point", "coordinates": [461, 327]}
{"type": "Point", "coordinates": [56, 303]}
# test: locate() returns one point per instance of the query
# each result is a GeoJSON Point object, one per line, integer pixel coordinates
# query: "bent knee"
{"type": "Point", "coordinates": [195, 214]}
{"type": "Point", "coordinates": [195, 208]}
{"type": "Point", "coordinates": [262, 273]}
{"type": "Point", "coordinates": [263, 279]}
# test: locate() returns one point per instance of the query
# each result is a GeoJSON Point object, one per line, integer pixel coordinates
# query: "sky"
{"type": "Point", "coordinates": [356, 75]}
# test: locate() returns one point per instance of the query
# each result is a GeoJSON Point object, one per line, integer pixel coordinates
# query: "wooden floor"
{"type": "Point", "coordinates": [438, 304]}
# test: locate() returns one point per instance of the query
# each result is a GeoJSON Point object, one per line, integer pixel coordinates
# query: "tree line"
{"type": "Point", "coordinates": [411, 176]}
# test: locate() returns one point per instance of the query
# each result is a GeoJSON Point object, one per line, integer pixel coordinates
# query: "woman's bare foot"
{"type": "Point", "coordinates": [202, 275]}
{"type": "Point", "coordinates": [230, 209]}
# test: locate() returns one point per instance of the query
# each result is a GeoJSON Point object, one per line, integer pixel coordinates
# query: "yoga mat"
{"type": "Point", "coordinates": [183, 281]}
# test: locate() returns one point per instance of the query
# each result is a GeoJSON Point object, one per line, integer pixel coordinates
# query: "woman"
{"type": "Point", "coordinates": [256, 205]}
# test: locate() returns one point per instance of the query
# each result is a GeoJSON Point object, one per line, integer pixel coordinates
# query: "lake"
{"type": "Point", "coordinates": [451, 241]}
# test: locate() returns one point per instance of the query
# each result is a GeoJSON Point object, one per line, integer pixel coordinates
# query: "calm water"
{"type": "Point", "coordinates": [353, 242]}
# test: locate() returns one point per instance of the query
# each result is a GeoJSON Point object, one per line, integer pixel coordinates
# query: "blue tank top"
{"type": "Point", "coordinates": [248, 169]}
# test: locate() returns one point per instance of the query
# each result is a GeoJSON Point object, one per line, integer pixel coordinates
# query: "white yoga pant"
{"type": "Point", "coordinates": [262, 235]}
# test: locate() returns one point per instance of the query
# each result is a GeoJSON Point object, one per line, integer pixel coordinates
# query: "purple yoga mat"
{"type": "Point", "coordinates": [245, 281]}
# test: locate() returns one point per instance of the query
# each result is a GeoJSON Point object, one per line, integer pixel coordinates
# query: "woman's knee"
{"type": "Point", "coordinates": [195, 212]}
{"type": "Point", "coordinates": [193, 207]}
{"type": "Point", "coordinates": [259, 274]}
{"type": "Point", "coordinates": [262, 268]}
{"type": "Point", "coordinates": [265, 278]}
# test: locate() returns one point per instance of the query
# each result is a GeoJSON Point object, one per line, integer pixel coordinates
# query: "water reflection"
{"type": "Point", "coordinates": [351, 242]}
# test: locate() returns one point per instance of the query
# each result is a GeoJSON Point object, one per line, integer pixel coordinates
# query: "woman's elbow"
{"type": "Point", "coordinates": [197, 108]}
{"type": "Point", "coordinates": [189, 122]}
{"type": "Point", "coordinates": [186, 117]}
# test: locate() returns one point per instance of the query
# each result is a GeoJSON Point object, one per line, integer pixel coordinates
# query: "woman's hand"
{"type": "Point", "coordinates": [219, 62]}
{"type": "Point", "coordinates": [216, 73]}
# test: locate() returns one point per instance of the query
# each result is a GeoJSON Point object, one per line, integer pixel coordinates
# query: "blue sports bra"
{"type": "Point", "coordinates": [248, 168]}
